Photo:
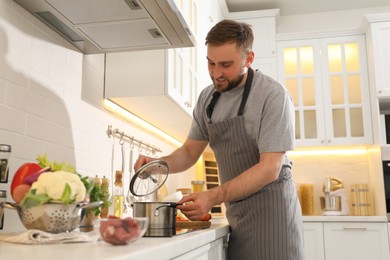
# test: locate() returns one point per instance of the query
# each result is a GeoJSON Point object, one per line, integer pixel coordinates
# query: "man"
{"type": "Point", "coordinates": [247, 118]}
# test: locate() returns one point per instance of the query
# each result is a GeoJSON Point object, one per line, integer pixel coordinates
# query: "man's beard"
{"type": "Point", "coordinates": [231, 83]}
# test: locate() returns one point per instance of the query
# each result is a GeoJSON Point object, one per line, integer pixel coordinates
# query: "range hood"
{"type": "Point", "coordinates": [102, 26]}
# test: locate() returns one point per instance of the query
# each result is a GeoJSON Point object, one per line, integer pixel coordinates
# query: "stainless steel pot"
{"type": "Point", "coordinates": [52, 217]}
{"type": "Point", "coordinates": [161, 215]}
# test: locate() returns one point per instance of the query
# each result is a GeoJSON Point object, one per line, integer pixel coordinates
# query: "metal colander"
{"type": "Point", "coordinates": [52, 217]}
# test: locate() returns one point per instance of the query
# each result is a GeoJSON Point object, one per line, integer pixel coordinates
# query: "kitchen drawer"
{"type": "Point", "coordinates": [358, 241]}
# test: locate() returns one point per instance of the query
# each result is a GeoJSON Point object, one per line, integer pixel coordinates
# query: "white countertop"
{"type": "Point", "coordinates": [144, 248]}
{"type": "Point", "coordinates": [344, 219]}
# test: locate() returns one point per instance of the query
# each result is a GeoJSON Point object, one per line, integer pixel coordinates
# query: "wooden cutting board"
{"type": "Point", "coordinates": [193, 224]}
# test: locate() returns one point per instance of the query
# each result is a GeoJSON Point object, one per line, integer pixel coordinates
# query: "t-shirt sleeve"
{"type": "Point", "coordinates": [198, 130]}
{"type": "Point", "coordinates": [277, 132]}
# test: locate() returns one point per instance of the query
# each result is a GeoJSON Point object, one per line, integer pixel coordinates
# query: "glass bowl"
{"type": "Point", "coordinates": [121, 231]}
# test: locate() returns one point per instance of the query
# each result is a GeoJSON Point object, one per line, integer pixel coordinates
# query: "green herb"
{"type": "Point", "coordinates": [96, 193]}
{"type": "Point", "coordinates": [55, 166]}
{"type": "Point", "coordinates": [31, 199]}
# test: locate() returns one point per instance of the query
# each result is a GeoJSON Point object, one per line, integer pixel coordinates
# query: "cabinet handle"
{"type": "Point", "coordinates": [355, 228]}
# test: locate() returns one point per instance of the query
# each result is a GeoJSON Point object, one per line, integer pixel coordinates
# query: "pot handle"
{"type": "Point", "coordinates": [172, 205]}
{"type": "Point", "coordinates": [8, 205]}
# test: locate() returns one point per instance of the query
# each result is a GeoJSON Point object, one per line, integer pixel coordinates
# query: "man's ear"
{"type": "Point", "coordinates": [250, 57]}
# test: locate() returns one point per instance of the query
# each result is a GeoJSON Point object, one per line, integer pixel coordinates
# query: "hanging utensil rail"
{"type": "Point", "coordinates": [130, 139]}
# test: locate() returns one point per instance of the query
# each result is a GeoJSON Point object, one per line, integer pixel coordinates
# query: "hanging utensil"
{"type": "Point", "coordinates": [129, 197]}
{"type": "Point", "coordinates": [123, 150]}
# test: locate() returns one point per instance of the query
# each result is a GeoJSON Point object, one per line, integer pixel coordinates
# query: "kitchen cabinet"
{"type": "Point", "coordinates": [183, 62]}
{"type": "Point", "coordinates": [161, 86]}
{"type": "Point", "coordinates": [314, 240]}
{"type": "Point", "coordinates": [149, 84]}
{"type": "Point", "coordinates": [158, 86]}
{"type": "Point", "coordinates": [214, 250]}
{"type": "Point", "coordinates": [358, 241]}
{"type": "Point", "coordinates": [264, 46]}
{"type": "Point", "coordinates": [327, 79]}
{"type": "Point", "coordinates": [378, 42]}
{"type": "Point", "coordinates": [210, 15]}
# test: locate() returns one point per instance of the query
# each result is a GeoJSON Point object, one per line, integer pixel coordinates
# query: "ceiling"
{"type": "Point", "coordinates": [293, 7]}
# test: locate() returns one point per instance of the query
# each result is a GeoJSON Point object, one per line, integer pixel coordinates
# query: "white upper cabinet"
{"type": "Point", "coordinates": [264, 46]}
{"type": "Point", "coordinates": [378, 42]}
{"type": "Point", "coordinates": [161, 86]}
{"type": "Point", "coordinates": [263, 28]}
{"type": "Point", "coordinates": [148, 84]}
{"type": "Point", "coordinates": [327, 79]}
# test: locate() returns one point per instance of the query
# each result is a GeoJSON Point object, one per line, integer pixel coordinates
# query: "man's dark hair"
{"type": "Point", "coordinates": [229, 31]}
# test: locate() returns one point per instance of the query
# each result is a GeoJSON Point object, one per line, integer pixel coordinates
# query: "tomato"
{"type": "Point", "coordinates": [25, 170]}
{"type": "Point", "coordinates": [206, 217]}
{"type": "Point", "coordinates": [20, 191]}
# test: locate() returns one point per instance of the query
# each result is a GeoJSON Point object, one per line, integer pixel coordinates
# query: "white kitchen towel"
{"type": "Point", "coordinates": [38, 237]}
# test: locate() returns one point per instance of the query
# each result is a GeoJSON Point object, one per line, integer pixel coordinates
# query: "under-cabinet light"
{"type": "Point", "coordinates": [139, 122]}
{"type": "Point", "coordinates": [329, 152]}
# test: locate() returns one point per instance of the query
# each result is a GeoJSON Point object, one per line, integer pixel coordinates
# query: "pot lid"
{"type": "Point", "coordinates": [149, 178]}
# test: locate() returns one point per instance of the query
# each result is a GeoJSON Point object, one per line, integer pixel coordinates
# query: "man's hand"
{"type": "Point", "coordinates": [196, 206]}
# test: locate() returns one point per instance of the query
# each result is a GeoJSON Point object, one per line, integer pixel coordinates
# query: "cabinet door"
{"type": "Point", "coordinates": [314, 241]}
{"type": "Point", "coordinates": [182, 81]}
{"type": "Point", "coordinates": [358, 241]}
{"type": "Point", "coordinates": [215, 250]}
{"type": "Point", "coordinates": [328, 81]}
{"type": "Point", "coordinates": [264, 30]}
{"type": "Point", "coordinates": [300, 72]}
{"type": "Point", "coordinates": [346, 91]}
{"type": "Point", "coordinates": [380, 39]}
{"type": "Point", "coordinates": [266, 65]}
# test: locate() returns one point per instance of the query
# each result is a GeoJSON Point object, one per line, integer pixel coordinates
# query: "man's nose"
{"type": "Point", "coordinates": [217, 72]}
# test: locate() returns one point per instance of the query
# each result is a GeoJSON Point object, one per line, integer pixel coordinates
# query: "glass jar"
{"type": "Point", "coordinates": [197, 186]}
{"type": "Point", "coordinates": [5, 153]}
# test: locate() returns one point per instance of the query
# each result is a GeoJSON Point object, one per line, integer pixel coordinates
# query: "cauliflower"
{"type": "Point", "coordinates": [60, 186]}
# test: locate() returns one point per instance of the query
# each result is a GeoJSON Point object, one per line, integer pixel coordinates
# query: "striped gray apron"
{"type": "Point", "coordinates": [266, 225]}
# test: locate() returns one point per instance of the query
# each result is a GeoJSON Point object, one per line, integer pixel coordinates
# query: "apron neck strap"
{"type": "Point", "coordinates": [245, 95]}
{"type": "Point", "coordinates": [247, 88]}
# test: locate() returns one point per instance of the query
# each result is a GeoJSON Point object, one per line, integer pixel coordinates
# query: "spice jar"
{"type": "Point", "coordinates": [5, 153]}
{"type": "Point", "coordinates": [197, 186]}
{"type": "Point", "coordinates": [184, 191]}
{"type": "Point", "coordinates": [3, 198]}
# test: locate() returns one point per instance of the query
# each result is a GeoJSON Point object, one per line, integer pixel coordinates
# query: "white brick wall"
{"type": "Point", "coordinates": [50, 102]}
{"type": "Point", "coordinates": [47, 106]}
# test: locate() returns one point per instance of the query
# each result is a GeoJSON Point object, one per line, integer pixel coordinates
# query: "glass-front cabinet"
{"type": "Point", "coordinates": [327, 79]}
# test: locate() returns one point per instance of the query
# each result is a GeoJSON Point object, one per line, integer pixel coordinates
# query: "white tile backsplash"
{"type": "Point", "coordinates": [313, 169]}
{"type": "Point", "coordinates": [51, 102]}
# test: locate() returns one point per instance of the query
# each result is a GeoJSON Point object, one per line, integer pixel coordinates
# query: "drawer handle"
{"type": "Point", "coordinates": [355, 228]}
